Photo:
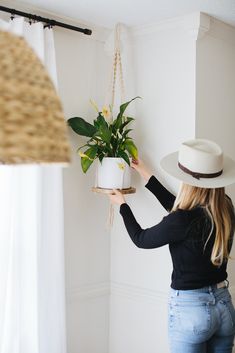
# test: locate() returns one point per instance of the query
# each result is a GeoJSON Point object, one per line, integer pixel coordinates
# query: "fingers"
{"type": "Point", "coordinates": [112, 198]}
{"type": "Point", "coordinates": [115, 197]}
{"type": "Point", "coordinates": [135, 161]}
{"type": "Point", "coordinates": [116, 192]}
{"type": "Point", "coordinates": [113, 193]}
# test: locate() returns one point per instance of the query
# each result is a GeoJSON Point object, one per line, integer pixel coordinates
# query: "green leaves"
{"type": "Point", "coordinates": [131, 148]}
{"type": "Point", "coordinates": [124, 155]}
{"type": "Point", "coordinates": [125, 123]}
{"type": "Point", "coordinates": [88, 158]}
{"type": "Point", "coordinates": [82, 127]}
{"type": "Point", "coordinates": [100, 121]}
{"type": "Point", "coordinates": [118, 122]}
{"type": "Point", "coordinates": [103, 130]}
{"type": "Point", "coordinates": [125, 105]}
{"type": "Point", "coordinates": [126, 132]}
{"type": "Point", "coordinates": [104, 133]}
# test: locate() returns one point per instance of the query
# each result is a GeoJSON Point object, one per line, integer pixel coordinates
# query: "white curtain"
{"type": "Point", "coordinates": [32, 290]}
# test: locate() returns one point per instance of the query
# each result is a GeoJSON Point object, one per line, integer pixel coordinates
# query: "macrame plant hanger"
{"type": "Point", "coordinates": [116, 70]}
{"type": "Point", "coordinates": [117, 65]}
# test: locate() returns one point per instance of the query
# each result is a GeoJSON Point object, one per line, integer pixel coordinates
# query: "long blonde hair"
{"type": "Point", "coordinates": [220, 211]}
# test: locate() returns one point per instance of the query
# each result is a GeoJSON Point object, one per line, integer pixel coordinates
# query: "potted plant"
{"type": "Point", "coordinates": [108, 142]}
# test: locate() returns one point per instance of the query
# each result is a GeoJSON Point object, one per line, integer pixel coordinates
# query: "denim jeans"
{"type": "Point", "coordinates": [201, 320]}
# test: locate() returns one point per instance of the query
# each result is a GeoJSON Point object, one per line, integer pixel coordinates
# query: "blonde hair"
{"type": "Point", "coordinates": [220, 211]}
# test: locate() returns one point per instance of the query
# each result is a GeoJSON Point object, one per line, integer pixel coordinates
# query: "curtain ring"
{"type": "Point", "coordinates": [47, 25]}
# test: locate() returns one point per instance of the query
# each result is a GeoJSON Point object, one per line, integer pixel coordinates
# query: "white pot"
{"type": "Point", "coordinates": [113, 173]}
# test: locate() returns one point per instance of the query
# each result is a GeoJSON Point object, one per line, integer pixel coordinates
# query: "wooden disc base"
{"type": "Point", "coordinates": [130, 190]}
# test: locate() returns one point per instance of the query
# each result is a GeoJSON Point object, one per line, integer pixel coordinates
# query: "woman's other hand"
{"type": "Point", "coordinates": [141, 168]}
{"type": "Point", "coordinates": [117, 197]}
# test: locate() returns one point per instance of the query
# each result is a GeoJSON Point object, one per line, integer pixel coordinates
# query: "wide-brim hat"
{"type": "Point", "coordinates": [201, 163]}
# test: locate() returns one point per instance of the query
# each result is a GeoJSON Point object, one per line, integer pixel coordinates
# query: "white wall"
{"type": "Point", "coordinates": [215, 92]}
{"type": "Point", "coordinates": [164, 69]}
{"type": "Point", "coordinates": [82, 75]}
{"type": "Point", "coordinates": [185, 73]}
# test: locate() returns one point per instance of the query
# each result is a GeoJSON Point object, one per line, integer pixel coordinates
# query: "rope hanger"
{"type": "Point", "coordinates": [115, 71]}
{"type": "Point", "coordinates": [117, 64]}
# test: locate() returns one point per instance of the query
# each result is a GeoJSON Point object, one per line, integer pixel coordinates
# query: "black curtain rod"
{"type": "Point", "coordinates": [45, 20]}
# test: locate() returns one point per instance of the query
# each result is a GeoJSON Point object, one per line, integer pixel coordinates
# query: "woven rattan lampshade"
{"type": "Point", "coordinates": [32, 124]}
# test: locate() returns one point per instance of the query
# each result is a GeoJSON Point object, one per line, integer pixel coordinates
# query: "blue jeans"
{"type": "Point", "coordinates": [201, 320]}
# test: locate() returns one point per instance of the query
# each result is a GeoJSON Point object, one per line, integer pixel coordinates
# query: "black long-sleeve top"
{"type": "Point", "coordinates": [186, 232]}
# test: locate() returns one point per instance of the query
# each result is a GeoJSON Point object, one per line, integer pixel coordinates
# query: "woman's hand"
{"type": "Point", "coordinates": [141, 168]}
{"type": "Point", "coordinates": [117, 197]}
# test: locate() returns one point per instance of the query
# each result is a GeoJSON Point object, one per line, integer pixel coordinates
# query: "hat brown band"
{"type": "Point", "coordinates": [199, 175]}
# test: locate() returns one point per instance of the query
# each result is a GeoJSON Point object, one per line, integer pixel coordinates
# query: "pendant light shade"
{"type": "Point", "coordinates": [32, 124]}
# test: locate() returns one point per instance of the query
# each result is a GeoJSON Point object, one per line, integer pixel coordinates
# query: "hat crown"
{"type": "Point", "coordinates": [201, 156]}
{"type": "Point", "coordinates": [200, 163]}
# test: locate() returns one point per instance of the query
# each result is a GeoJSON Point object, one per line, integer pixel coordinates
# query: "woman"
{"type": "Point", "coordinates": [199, 230]}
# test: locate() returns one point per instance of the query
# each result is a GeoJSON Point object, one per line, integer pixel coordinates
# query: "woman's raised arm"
{"type": "Point", "coordinates": [165, 197]}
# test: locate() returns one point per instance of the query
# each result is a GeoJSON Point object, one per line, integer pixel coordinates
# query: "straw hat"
{"type": "Point", "coordinates": [32, 124]}
{"type": "Point", "coordinates": [200, 162]}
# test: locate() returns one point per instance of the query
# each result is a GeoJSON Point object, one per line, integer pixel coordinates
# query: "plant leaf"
{"type": "Point", "coordinates": [82, 127]}
{"type": "Point", "coordinates": [117, 123]}
{"type": "Point", "coordinates": [91, 154]}
{"type": "Point", "coordinates": [101, 156]}
{"type": "Point", "coordinates": [104, 133]}
{"type": "Point", "coordinates": [114, 143]}
{"type": "Point", "coordinates": [126, 132]}
{"type": "Point", "coordinates": [100, 121]}
{"type": "Point", "coordinates": [103, 130]}
{"type": "Point", "coordinates": [126, 122]}
{"type": "Point", "coordinates": [124, 155]}
{"type": "Point", "coordinates": [125, 105]}
{"type": "Point", "coordinates": [131, 148]}
{"type": "Point", "coordinates": [109, 151]}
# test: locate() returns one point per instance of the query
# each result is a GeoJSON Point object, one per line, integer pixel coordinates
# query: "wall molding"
{"type": "Point", "coordinates": [100, 289]}
{"type": "Point", "coordinates": [116, 289]}
{"type": "Point", "coordinates": [194, 24]}
{"type": "Point", "coordinates": [88, 291]}
{"type": "Point", "coordinates": [222, 31]}
{"type": "Point", "coordinates": [137, 293]}
{"type": "Point", "coordinates": [199, 26]}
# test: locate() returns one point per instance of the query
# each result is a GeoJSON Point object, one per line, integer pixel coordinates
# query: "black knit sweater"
{"type": "Point", "coordinates": [186, 232]}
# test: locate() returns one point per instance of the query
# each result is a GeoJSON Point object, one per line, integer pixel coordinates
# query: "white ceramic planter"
{"type": "Point", "coordinates": [113, 173]}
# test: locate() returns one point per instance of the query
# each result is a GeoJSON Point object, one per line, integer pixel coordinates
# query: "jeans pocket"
{"type": "Point", "coordinates": [195, 319]}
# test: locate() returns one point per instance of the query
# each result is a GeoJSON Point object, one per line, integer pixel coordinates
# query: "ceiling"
{"type": "Point", "coordinates": [107, 13]}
